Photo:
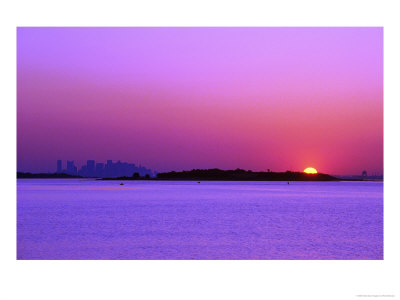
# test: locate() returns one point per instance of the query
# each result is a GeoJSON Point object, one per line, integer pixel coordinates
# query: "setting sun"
{"type": "Point", "coordinates": [310, 171]}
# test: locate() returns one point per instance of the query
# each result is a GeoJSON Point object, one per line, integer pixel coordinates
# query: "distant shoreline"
{"type": "Point", "coordinates": [21, 175]}
{"type": "Point", "coordinates": [205, 175]}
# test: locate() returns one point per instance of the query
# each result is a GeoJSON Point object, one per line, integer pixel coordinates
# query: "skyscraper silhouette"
{"type": "Point", "coordinates": [90, 167]}
{"type": "Point", "coordinates": [71, 169]}
{"type": "Point", "coordinates": [59, 166]}
{"type": "Point", "coordinates": [99, 170]}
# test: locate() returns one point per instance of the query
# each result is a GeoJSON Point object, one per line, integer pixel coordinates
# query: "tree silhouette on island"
{"type": "Point", "coordinates": [207, 174]}
{"type": "Point", "coordinates": [231, 175]}
{"type": "Point", "coordinates": [243, 175]}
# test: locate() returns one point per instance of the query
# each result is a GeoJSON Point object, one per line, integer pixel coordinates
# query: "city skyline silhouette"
{"type": "Point", "coordinates": [99, 169]}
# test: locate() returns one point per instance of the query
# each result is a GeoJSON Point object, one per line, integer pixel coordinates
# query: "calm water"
{"type": "Point", "coordinates": [87, 219]}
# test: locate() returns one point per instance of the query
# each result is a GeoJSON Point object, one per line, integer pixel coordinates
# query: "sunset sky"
{"type": "Point", "coordinates": [185, 98]}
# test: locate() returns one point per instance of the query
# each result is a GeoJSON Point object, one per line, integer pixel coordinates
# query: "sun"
{"type": "Point", "coordinates": [310, 171]}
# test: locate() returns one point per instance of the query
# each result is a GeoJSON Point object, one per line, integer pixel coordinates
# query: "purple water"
{"type": "Point", "coordinates": [88, 219]}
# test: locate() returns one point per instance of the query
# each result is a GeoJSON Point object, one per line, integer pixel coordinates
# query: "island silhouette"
{"type": "Point", "coordinates": [204, 174]}
{"type": "Point", "coordinates": [231, 175]}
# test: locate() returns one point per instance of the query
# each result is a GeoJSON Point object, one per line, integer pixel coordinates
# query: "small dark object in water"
{"type": "Point", "coordinates": [288, 182]}
{"type": "Point", "coordinates": [121, 183]}
{"type": "Point", "coordinates": [198, 181]}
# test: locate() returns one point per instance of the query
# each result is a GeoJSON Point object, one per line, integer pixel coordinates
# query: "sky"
{"type": "Point", "coordinates": [189, 98]}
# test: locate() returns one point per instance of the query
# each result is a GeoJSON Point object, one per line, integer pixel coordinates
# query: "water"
{"type": "Point", "coordinates": [88, 219]}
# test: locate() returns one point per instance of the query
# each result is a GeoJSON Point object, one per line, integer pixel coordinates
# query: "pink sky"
{"type": "Point", "coordinates": [184, 98]}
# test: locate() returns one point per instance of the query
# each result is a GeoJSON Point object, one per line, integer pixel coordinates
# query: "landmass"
{"type": "Point", "coordinates": [232, 175]}
{"type": "Point", "coordinates": [209, 174]}
{"type": "Point", "coordinates": [243, 175]}
{"type": "Point", "coordinates": [45, 175]}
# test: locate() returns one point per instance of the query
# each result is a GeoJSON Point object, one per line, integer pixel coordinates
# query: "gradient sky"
{"type": "Point", "coordinates": [184, 98]}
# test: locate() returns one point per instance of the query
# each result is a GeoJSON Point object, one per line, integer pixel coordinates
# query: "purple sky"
{"type": "Point", "coordinates": [184, 98]}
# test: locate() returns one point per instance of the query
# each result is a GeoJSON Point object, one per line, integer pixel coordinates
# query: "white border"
{"type": "Point", "coordinates": [198, 279]}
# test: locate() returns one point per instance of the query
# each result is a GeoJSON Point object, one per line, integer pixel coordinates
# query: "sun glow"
{"type": "Point", "coordinates": [310, 171]}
